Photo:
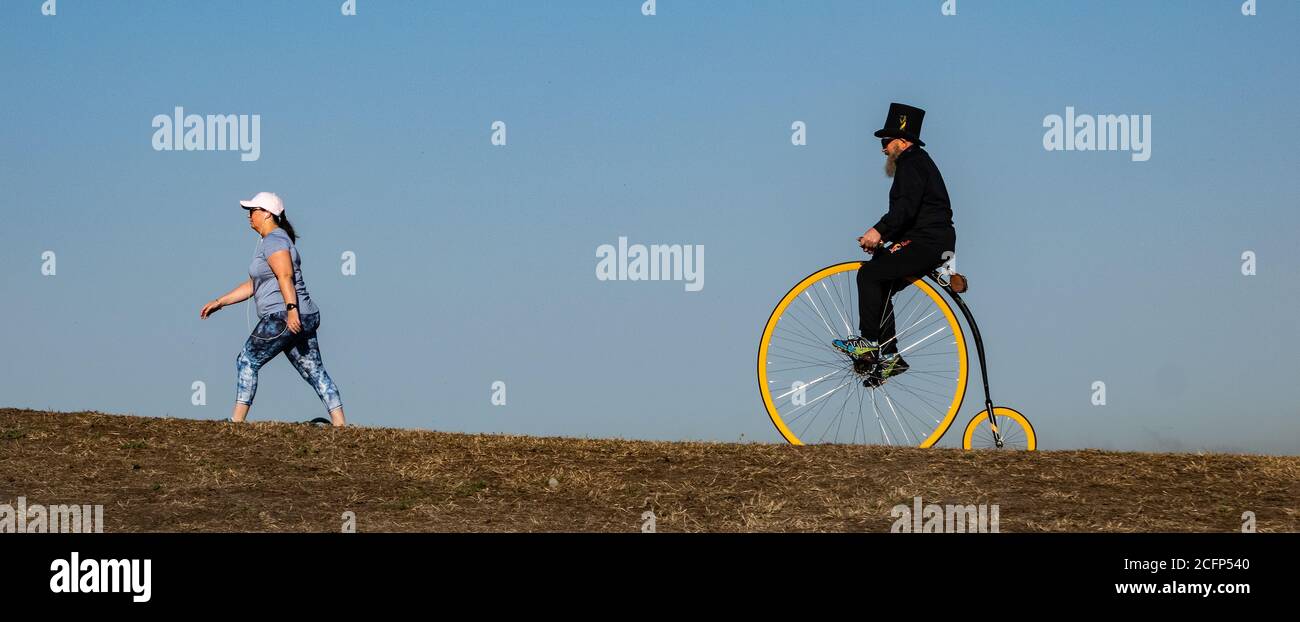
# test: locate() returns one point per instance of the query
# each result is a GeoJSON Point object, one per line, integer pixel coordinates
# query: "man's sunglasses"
{"type": "Point", "coordinates": [884, 142]}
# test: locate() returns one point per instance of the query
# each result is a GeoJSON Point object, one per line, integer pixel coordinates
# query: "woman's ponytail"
{"type": "Point", "coordinates": [283, 221]}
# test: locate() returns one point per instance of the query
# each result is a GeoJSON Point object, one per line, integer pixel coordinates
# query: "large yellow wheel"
{"type": "Point", "coordinates": [815, 393]}
{"type": "Point", "coordinates": [1016, 431]}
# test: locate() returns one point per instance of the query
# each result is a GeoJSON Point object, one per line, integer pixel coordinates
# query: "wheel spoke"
{"type": "Point", "coordinates": [818, 394]}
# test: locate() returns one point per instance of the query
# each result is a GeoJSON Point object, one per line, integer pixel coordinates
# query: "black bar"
{"type": "Point", "coordinates": [946, 572]}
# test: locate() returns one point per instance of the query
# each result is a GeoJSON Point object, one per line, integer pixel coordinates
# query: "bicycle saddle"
{"type": "Point", "coordinates": [956, 282]}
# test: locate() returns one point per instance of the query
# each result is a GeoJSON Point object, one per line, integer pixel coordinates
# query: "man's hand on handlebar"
{"type": "Point", "coordinates": [870, 240]}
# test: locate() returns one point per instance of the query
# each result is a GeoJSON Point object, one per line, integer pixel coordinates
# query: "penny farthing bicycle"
{"type": "Point", "coordinates": [816, 393]}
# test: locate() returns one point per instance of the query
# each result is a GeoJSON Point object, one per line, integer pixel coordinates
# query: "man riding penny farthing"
{"type": "Point", "coordinates": [872, 352]}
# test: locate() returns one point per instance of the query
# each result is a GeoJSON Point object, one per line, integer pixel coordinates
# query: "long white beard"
{"type": "Point", "coordinates": [891, 165]}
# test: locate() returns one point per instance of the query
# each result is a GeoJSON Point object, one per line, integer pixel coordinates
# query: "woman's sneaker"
{"type": "Point", "coordinates": [856, 347]}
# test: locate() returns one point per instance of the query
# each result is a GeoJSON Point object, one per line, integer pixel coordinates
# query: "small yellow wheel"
{"type": "Point", "coordinates": [1016, 431]}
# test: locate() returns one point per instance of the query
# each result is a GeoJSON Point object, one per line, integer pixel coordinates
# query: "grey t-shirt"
{"type": "Point", "coordinates": [266, 290]}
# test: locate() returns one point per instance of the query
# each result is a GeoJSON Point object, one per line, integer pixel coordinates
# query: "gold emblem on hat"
{"type": "Point", "coordinates": [902, 121]}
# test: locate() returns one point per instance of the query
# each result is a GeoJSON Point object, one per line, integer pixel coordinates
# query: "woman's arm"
{"type": "Point", "coordinates": [242, 292]}
{"type": "Point", "coordinates": [282, 265]}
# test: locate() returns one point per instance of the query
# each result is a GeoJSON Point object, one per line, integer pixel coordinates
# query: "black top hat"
{"type": "Point", "coordinates": [903, 122]}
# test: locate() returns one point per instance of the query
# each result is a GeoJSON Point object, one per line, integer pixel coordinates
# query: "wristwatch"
{"type": "Point", "coordinates": [290, 307]}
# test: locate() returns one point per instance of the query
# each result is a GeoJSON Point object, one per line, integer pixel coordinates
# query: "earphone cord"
{"type": "Point", "coordinates": [248, 322]}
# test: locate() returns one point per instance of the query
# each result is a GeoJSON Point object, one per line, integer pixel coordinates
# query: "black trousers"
{"type": "Point", "coordinates": [881, 278]}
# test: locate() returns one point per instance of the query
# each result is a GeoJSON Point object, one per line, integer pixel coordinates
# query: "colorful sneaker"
{"type": "Point", "coordinates": [892, 365]}
{"type": "Point", "coordinates": [856, 347]}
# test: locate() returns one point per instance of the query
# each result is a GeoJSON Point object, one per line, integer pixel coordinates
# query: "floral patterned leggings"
{"type": "Point", "coordinates": [272, 336]}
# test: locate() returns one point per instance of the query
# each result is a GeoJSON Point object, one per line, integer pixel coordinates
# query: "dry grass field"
{"type": "Point", "coordinates": [179, 475]}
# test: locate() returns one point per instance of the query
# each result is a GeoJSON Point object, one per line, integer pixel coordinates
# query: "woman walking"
{"type": "Point", "coordinates": [287, 317]}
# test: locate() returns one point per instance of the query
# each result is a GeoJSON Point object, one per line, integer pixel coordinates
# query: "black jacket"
{"type": "Point", "coordinates": [919, 209]}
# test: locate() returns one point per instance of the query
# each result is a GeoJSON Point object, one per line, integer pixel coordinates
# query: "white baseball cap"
{"type": "Point", "coordinates": [268, 201]}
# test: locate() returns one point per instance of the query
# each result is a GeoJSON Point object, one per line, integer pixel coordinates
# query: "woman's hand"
{"type": "Point", "coordinates": [210, 308]}
{"type": "Point", "coordinates": [242, 292]}
{"type": "Point", "coordinates": [291, 320]}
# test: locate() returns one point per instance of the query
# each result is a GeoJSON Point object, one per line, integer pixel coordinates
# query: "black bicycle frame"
{"type": "Point", "coordinates": [979, 349]}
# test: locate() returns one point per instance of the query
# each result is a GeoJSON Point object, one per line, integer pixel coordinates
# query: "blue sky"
{"type": "Point", "coordinates": [476, 263]}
